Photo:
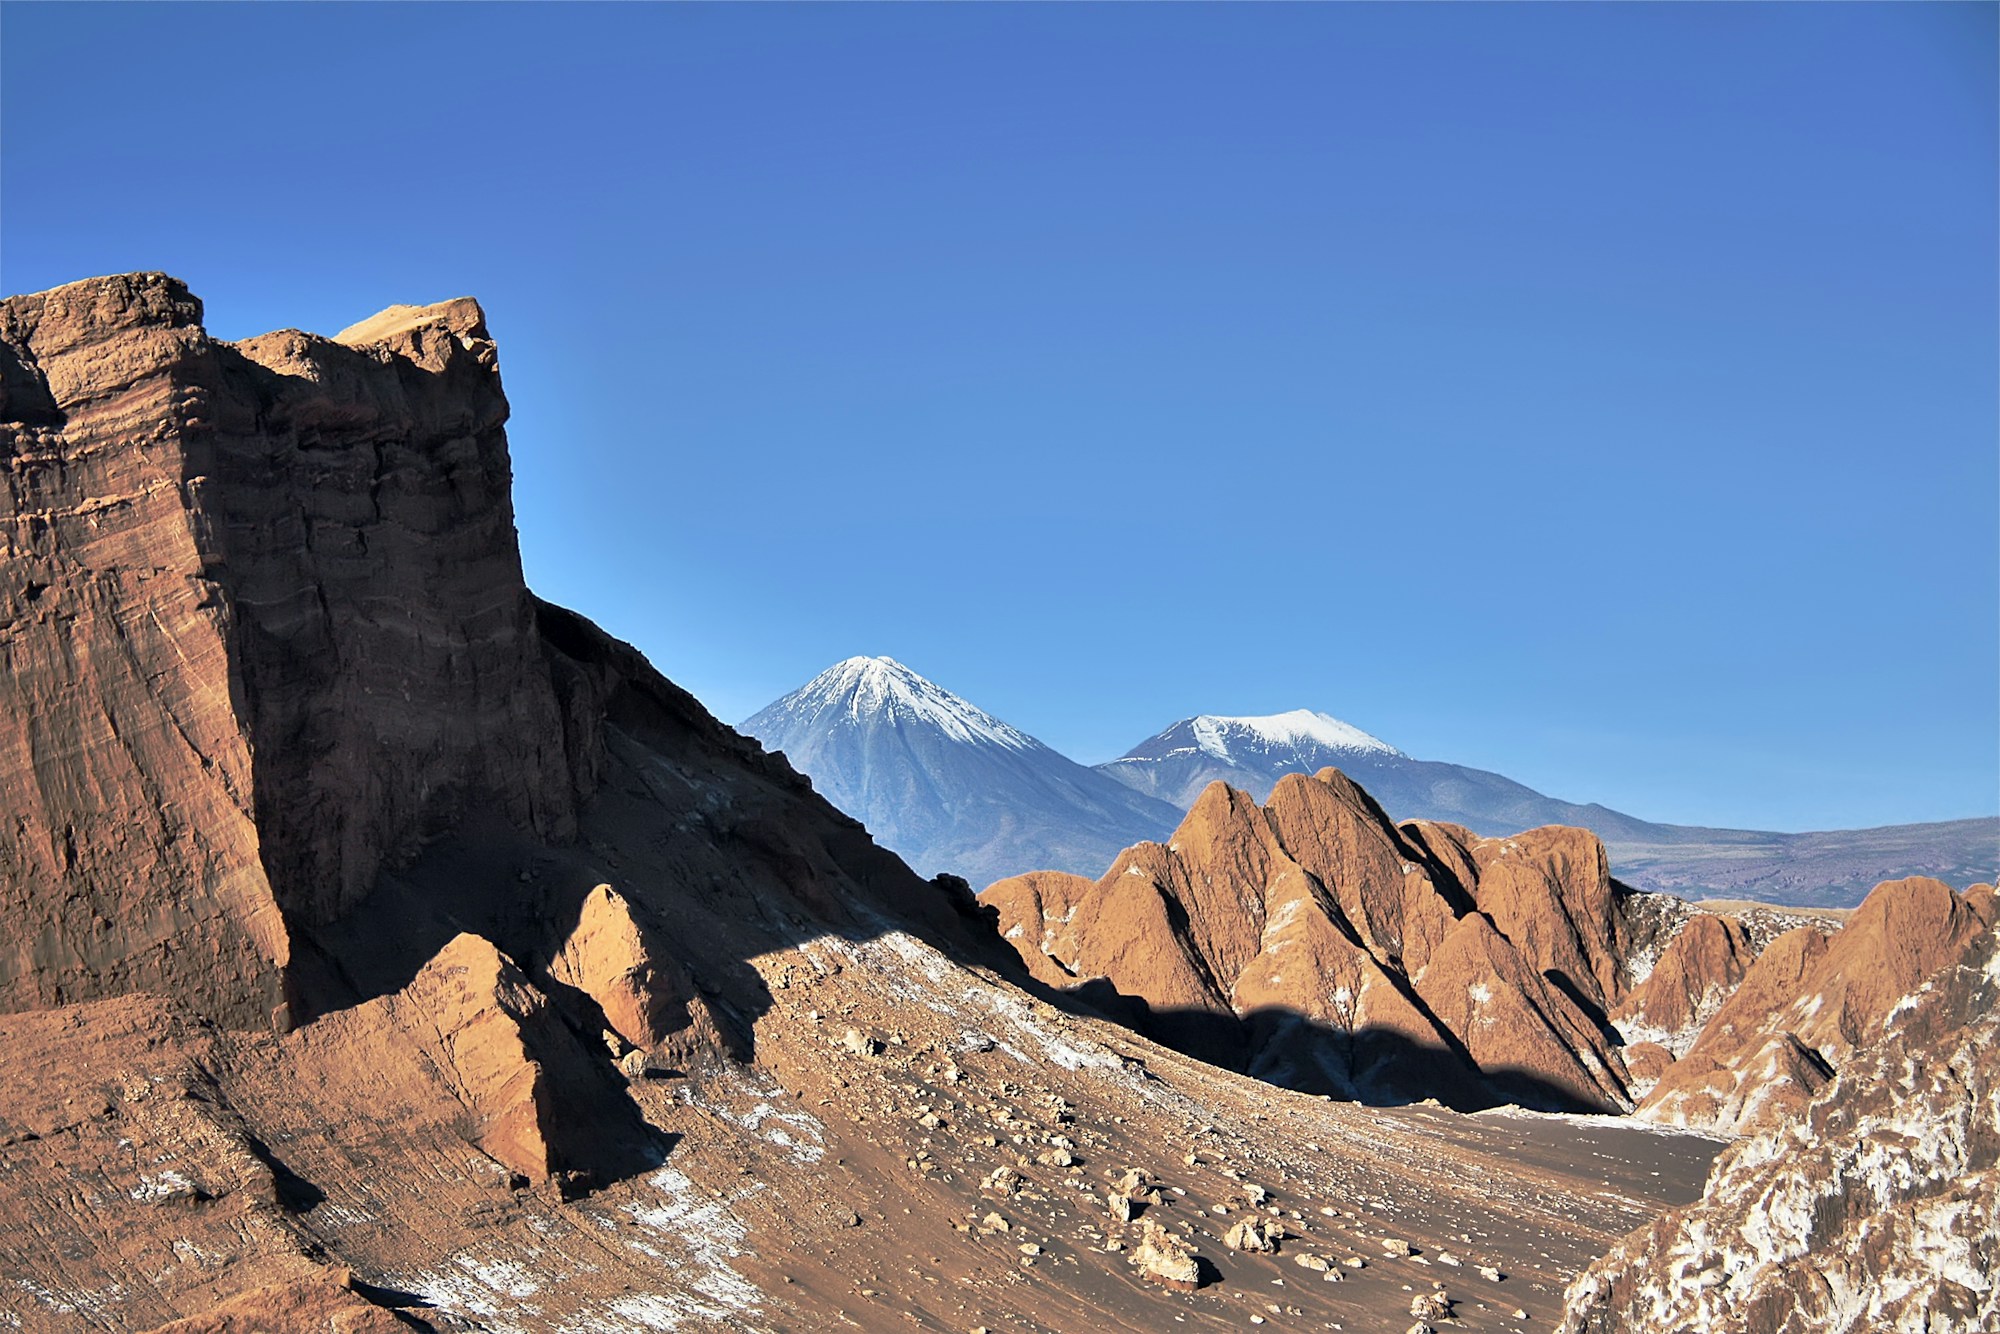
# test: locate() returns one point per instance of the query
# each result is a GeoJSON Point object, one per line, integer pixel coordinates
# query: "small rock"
{"type": "Point", "coordinates": [1397, 1246]}
{"type": "Point", "coordinates": [1490, 1274]}
{"type": "Point", "coordinates": [1249, 1236]}
{"type": "Point", "coordinates": [995, 1223]}
{"type": "Point", "coordinates": [1307, 1260]}
{"type": "Point", "coordinates": [858, 1043]}
{"type": "Point", "coordinates": [1004, 1181]}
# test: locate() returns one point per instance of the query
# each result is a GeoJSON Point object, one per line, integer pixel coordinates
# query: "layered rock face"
{"type": "Point", "coordinates": [1329, 949]}
{"type": "Point", "coordinates": [266, 644]}
{"type": "Point", "coordinates": [1879, 1209]}
{"type": "Point", "coordinates": [266, 632]}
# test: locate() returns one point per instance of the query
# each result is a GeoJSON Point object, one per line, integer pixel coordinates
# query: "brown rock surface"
{"type": "Point", "coordinates": [318, 1305]}
{"type": "Point", "coordinates": [1878, 1210]}
{"type": "Point", "coordinates": [1809, 1001]}
{"type": "Point", "coordinates": [1361, 957]}
{"type": "Point", "coordinates": [1699, 970]}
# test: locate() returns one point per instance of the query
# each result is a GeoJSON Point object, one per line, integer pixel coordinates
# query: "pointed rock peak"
{"type": "Point", "coordinates": [1218, 806]}
{"type": "Point", "coordinates": [882, 691]}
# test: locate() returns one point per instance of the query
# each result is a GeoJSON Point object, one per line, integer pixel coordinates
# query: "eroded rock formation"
{"type": "Point", "coordinates": [381, 947]}
{"type": "Point", "coordinates": [1327, 948]}
{"type": "Point", "coordinates": [1807, 1002]}
{"type": "Point", "coordinates": [1878, 1209]}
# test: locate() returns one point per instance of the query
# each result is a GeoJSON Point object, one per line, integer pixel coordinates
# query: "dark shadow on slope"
{"type": "Point", "coordinates": [1377, 1066]}
{"type": "Point", "coordinates": [721, 853]}
{"type": "Point", "coordinates": [296, 1195]}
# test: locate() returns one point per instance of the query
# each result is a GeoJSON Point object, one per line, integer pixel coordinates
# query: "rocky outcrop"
{"type": "Point", "coordinates": [1699, 970]}
{"type": "Point", "coordinates": [516, 1083]}
{"type": "Point", "coordinates": [207, 686]}
{"type": "Point", "coordinates": [1879, 1209]}
{"type": "Point", "coordinates": [1808, 1002]}
{"type": "Point", "coordinates": [649, 1000]}
{"type": "Point", "coordinates": [265, 640]}
{"type": "Point", "coordinates": [1352, 955]}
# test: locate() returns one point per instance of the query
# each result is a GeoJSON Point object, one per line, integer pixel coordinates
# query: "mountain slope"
{"type": "Point", "coordinates": [1833, 868]}
{"type": "Point", "coordinates": [947, 785]}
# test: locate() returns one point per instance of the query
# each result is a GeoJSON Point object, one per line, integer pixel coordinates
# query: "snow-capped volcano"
{"type": "Point", "coordinates": [881, 691]}
{"type": "Point", "coordinates": [1299, 731]}
{"type": "Point", "coordinates": [947, 785]}
{"type": "Point", "coordinates": [1248, 753]}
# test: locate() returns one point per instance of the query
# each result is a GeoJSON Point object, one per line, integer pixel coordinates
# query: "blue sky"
{"type": "Point", "coordinates": [1603, 394]}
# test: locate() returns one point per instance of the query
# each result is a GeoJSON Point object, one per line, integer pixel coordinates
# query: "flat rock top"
{"type": "Point", "coordinates": [461, 315]}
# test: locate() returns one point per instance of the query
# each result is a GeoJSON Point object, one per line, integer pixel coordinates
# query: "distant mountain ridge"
{"type": "Point", "coordinates": [947, 785]}
{"type": "Point", "coordinates": [1833, 868]}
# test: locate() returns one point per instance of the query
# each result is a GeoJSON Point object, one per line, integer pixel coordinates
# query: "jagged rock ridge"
{"type": "Point", "coordinates": [1834, 868]}
{"type": "Point", "coordinates": [1317, 944]}
{"type": "Point", "coordinates": [1326, 948]}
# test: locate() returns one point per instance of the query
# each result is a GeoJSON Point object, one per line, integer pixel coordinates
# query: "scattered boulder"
{"type": "Point", "coordinates": [1429, 1306]}
{"type": "Point", "coordinates": [1166, 1259]}
{"type": "Point", "coordinates": [1250, 1235]}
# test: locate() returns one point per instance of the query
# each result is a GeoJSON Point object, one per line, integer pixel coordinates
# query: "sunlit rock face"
{"type": "Point", "coordinates": [1320, 945]}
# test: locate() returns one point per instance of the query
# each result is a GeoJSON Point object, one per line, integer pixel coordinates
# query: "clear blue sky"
{"type": "Point", "coordinates": [1602, 394]}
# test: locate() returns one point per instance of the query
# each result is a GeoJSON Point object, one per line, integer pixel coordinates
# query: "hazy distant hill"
{"type": "Point", "coordinates": [1835, 868]}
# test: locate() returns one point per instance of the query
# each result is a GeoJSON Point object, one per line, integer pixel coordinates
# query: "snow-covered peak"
{"type": "Point", "coordinates": [882, 690]}
{"type": "Point", "coordinates": [1283, 731]}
